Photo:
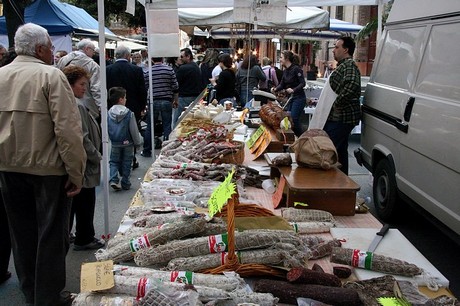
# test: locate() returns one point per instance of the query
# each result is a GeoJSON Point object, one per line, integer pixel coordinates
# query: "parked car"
{"type": "Point", "coordinates": [410, 137]}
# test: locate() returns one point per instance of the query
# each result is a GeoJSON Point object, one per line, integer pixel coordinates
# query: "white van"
{"type": "Point", "coordinates": [410, 137]}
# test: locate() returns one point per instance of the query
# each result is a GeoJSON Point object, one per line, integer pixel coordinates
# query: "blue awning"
{"type": "Point", "coordinates": [59, 19]}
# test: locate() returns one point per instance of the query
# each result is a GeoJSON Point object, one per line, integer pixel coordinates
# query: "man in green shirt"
{"type": "Point", "coordinates": [345, 112]}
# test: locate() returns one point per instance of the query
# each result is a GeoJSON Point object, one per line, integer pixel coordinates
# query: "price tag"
{"type": "Point", "coordinates": [221, 194]}
{"type": "Point", "coordinates": [387, 301]}
{"type": "Point", "coordinates": [285, 124]}
{"type": "Point", "coordinates": [261, 145]}
{"type": "Point", "coordinates": [96, 276]}
{"type": "Point", "coordinates": [252, 140]}
{"type": "Point", "coordinates": [278, 195]}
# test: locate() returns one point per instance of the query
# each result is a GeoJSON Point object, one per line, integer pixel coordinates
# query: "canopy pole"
{"type": "Point", "coordinates": [105, 141]}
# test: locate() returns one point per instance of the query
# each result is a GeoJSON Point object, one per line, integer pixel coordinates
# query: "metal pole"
{"type": "Point", "coordinates": [105, 140]}
{"type": "Point", "coordinates": [379, 21]}
{"type": "Point", "coordinates": [152, 119]}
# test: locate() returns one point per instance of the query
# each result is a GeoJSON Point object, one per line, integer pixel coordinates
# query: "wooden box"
{"type": "Point", "coordinates": [329, 190]}
{"type": "Point", "coordinates": [276, 145]}
{"type": "Point", "coordinates": [285, 136]}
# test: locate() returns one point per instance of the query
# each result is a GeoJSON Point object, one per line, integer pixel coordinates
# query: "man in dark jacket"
{"type": "Point", "coordinates": [131, 77]}
{"type": "Point", "coordinates": [189, 79]}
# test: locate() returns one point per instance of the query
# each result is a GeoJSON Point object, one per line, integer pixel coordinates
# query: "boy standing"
{"type": "Point", "coordinates": [124, 136]}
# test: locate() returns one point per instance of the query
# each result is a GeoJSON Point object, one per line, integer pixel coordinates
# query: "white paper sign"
{"type": "Point", "coordinates": [131, 7]}
{"type": "Point", "coordinates": [164, 45]}
{"type": "Point", "coordinates": [273, 11]}
{"type": "Point", "coordinates": [163, 21]}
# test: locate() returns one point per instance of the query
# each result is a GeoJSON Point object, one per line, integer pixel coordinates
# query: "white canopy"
{"type": "Point", "coordinates": [291, 3]}
{"type": "Point", "coordinates": [296, 18]}
{"type": "Point", "coordinates": [336, 29]}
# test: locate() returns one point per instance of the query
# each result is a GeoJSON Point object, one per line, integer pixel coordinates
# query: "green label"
{"type": "Point", "coordinates": [252, 140]}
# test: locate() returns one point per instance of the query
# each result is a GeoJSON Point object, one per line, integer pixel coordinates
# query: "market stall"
{"type": "Point", "coordinates": [171, 234]}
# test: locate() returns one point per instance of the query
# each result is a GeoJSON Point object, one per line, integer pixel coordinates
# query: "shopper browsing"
{"type": "Point", "coordinates": [42, 165]}
{"type": "Point", "coordinates": [84, 203]}
{"type": "Point", "coordinates": [124, 136]}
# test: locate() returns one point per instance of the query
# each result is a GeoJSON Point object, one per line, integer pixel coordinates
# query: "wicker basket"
{"type": "Point", "coordinates": [236, 157]}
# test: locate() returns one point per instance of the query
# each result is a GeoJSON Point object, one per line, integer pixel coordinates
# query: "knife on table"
{"type": "Point", "coordinates": [379, 236]}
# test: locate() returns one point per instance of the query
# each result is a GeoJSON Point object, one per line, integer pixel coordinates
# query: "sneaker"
{"type": "Point", "coordinates": [95, 244]}
{"type": "Point", "coordinates": [125, 187]}
{"type": "Point", "coordinates": [135, 165]}
{"type": "Point", "coordinates": [115, 186]}
{"type": "Point", "coordinates": [146, 154]}
{"type": "Point", "coordinates": [71, 238]}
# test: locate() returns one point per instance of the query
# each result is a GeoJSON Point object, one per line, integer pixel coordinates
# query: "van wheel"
{"type": "Point", "coordinates": [385, 191]}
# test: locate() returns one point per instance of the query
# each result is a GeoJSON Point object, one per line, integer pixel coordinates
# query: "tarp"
{"type": "Point", "coordinates": [59, 19]}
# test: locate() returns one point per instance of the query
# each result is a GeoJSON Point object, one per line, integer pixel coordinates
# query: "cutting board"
{"type": "Point", "coordinates": [394, 245]}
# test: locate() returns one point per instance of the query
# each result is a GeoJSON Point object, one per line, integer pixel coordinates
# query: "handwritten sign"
{"type": "Point", "coordinates": [278, 195]}
{"type": "Point", "coordinates": [96, 276]}
{"type": "Point", "coordinates": [252, 140]}
{"type": "Point", "coordinates": [221, 194]}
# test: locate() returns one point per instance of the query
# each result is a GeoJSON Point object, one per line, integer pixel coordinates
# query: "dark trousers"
{"type": "Point", "coordinates": [296, 107]}
{"type": "Point", "coordinates": [38, 211]}
{"type": "Point", "coordinates": [5, 242]}
{"type": "Point", "coordinates": [339, 133]}
{"type": "Point", "coordinates": [83, 205]}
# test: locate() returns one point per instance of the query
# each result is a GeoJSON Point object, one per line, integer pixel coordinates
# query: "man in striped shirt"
{"type": "Point", "coordinates": [165, 98]}
{"type": "Point", "coordinates": [346, 111]}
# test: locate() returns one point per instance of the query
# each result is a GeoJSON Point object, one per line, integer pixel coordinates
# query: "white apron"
{"type": "Point", "coordinates": [323, 108]}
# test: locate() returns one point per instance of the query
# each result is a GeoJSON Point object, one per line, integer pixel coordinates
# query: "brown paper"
{"type": "Point", "coordinates": [96, 276]}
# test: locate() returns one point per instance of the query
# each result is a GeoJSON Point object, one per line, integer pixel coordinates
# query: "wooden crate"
{"type": "Point", "coordinates": [330, 190]}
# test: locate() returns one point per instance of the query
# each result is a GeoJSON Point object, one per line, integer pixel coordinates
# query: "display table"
{"type": "Point", "coordinates": [330, 190]}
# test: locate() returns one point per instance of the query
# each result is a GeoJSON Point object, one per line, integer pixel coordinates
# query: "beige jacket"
{"type": "Point", "coordinates": [40, 125]}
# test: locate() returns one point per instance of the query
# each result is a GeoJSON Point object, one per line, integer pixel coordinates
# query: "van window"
{"type": "Point", "coordinates": [400, 52]}
{"type": "Point", "coordinates": [440, 67]}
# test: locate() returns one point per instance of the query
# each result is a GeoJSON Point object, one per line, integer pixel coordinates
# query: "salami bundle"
{"type": "Point", "coordinates": [272, 115]}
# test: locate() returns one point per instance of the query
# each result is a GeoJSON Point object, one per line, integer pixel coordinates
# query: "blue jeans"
{"type": "Point", "coordinates": [121, 159]}
{"type": "Point", "coordinates": [183, 103]}
{"type": "Point", "coordinates": [38, 211]}
{"type": "Point", "coordinates": [339, 133]}
{"type": "Point", "coordinates": [165, 108]}
{"type": "Point", "coordinates": [296, 106]}
{"type": "Point", "coordinates": [245, 97]}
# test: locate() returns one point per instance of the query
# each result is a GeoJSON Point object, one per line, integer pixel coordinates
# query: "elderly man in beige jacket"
{"type": "Point", "coordinates": [42, 161]}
